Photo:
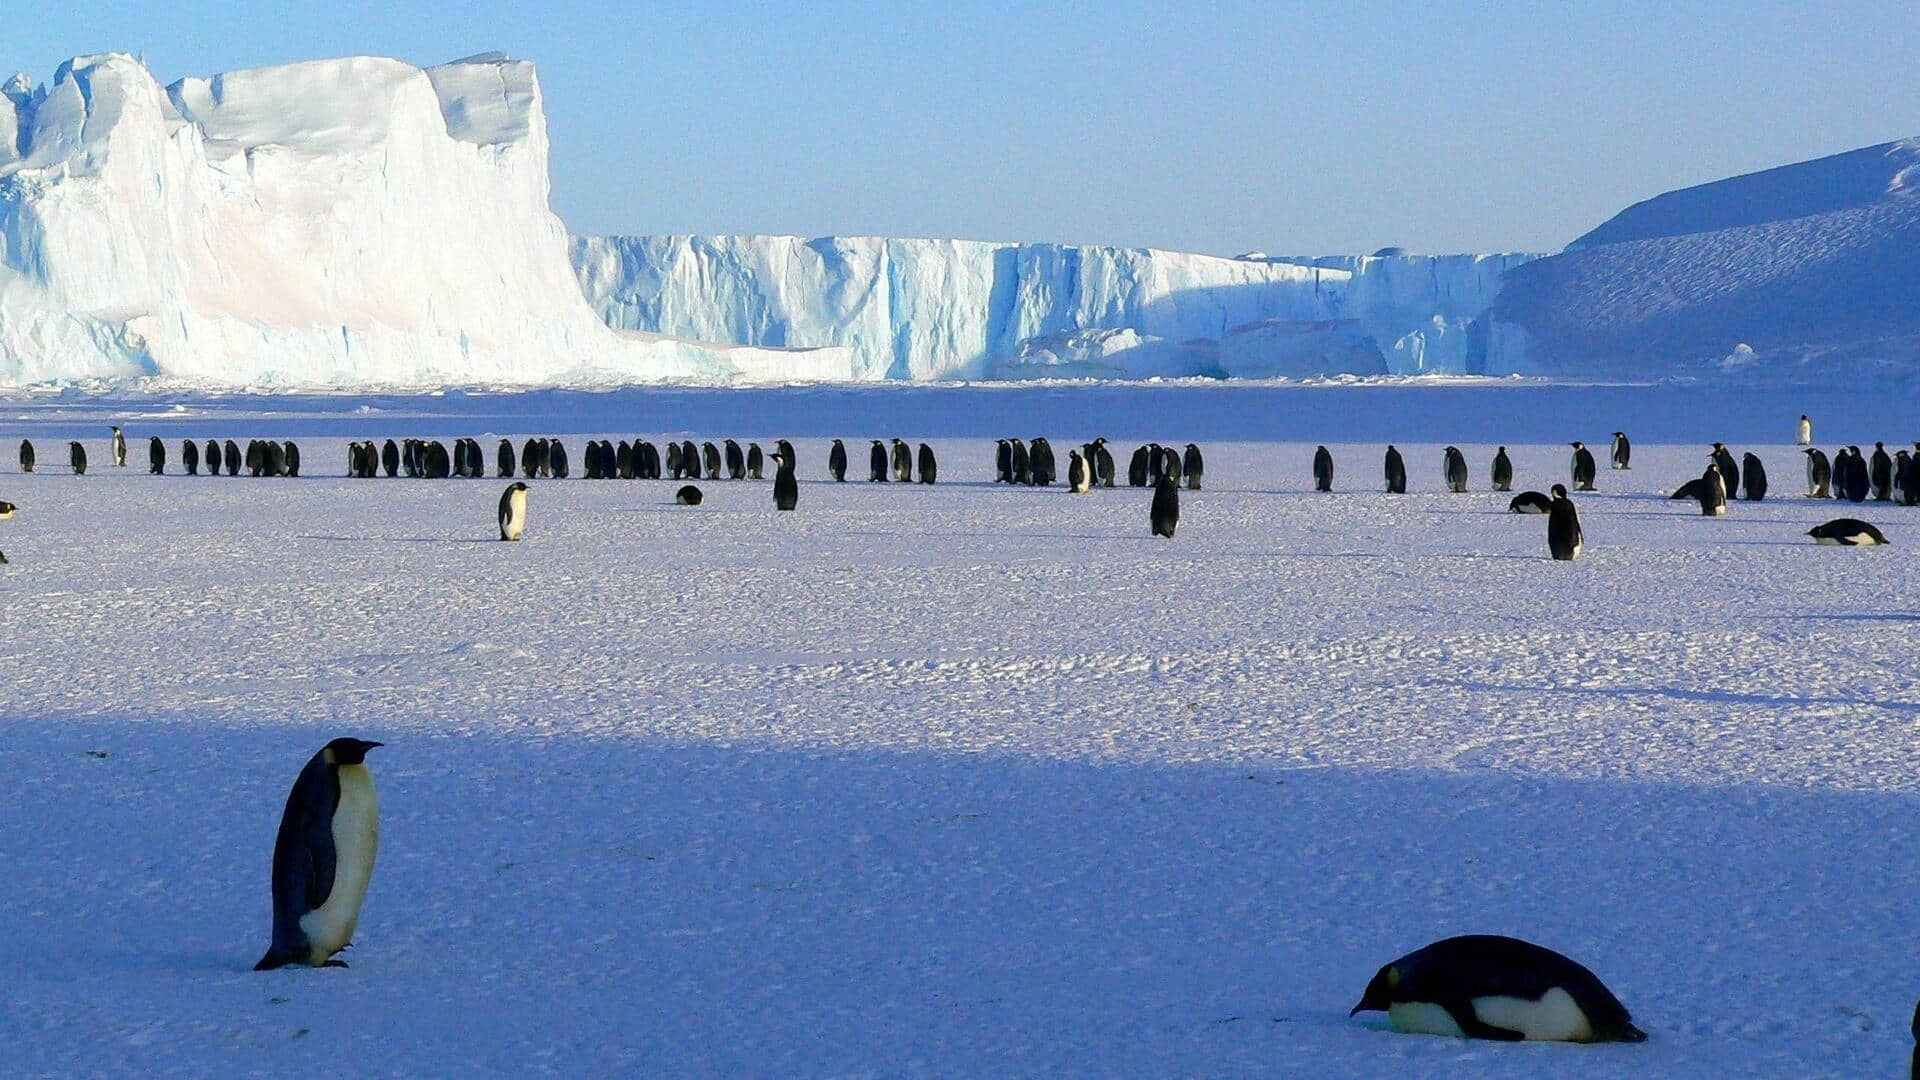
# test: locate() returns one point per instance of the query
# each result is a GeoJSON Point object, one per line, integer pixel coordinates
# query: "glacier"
{"type": "Point", "coordinates": [955, 309]}
{"type": "Point", "coordinates": [359, 221]}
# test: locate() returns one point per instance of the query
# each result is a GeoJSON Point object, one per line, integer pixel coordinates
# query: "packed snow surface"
{"type": "Point", "coordinates": [961, 780]}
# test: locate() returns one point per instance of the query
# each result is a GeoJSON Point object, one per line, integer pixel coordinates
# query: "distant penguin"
{"type": "Point", "coordinates": [590, 460]}
{"type": "Point", "coordinates": [256, 458]}
{"type": "Point", "coordinates": [710, 460]}
{"type": "Point", "coordinates": [1002, 462]}
{"type": "Point", "coordinates": [786, 487]}
{"type": "Point", "coordinates": [1729, 469]}
{"type": "Point", "coordinates": [1103, 463]}
{"type": "Point", "coordinates": [1880, 474]}
{"type": "Point", "coordinates": [156, 456]}
{"type": "Point", "coordinates": [1819, 475]}
{"type": "Point", "coordinates": [1622, 451]}
{"type": "Point", "coordinates": [1322, 469]}
{"type": "Point", "coordinates": [292, 458]}
{"type": "Point", "coordinates": [877, 463]}
{"type": "Point", "coordinates": [736, 461]}
{"type": "Point", "coordinates": [212, 458]}
{"type": "Point", "coordinates": [687, 496]}
{"type": "Point", "coordinates": [1502, 470]}
{"type": "Point", "coordinates": [1805, 435]}
{"type": "Point", "coordinates": [503, 458]}
{"type": "Point", "coordinates": [1079, 481]}
{"type": "Point", "coordinates": [1753, 478]}
{"type": "Point", "coordinates": [1906, 474]}
{"type": "Point", "coordinates": [1847, 532]}
{"type": "Point", "coordinates": [119, 449]}
{"type": "Point", "coordinates": [1583, 468]}
{"type": "Point", "coordinates": [1022, 462]}
{"type": "Point", "coordinates": [390, 459]}
{"type": "Point", "coordinates": [529, 463]}
{"type": "Point", "coordinates": [233, 458]}
{"type": "Point", "coordinates": [1165, 513]}
{"type": "Point", "coordinates": [646, 460]}
{"type": "Point", "coordinates": [556, 455]}
{"type": "Point", "coordinates": [1137, 468]}
{"type": "Point", "coordinates": [323, 858]}
{"type": "Point", "coordinates": [756, 462]}
{"type": "Point", "coordinates": [929, 468]}
{"type": "Point", "coordinates": [1396, 472]}
{"type": "Point", "coordinates": [1040, 462]}
{"type": "Point", "coordinates": [275, 458]}
{"type": "Point", "coordinates": [1713, 492]}
{"type": "Point", "coordinates": [1193, 466]}
{"type": "Point", "coordinates": [190, 457]}
{"type": "Point", "coordinates": [689, 459]}
{"type": "Point", "coordinates": [1170, 466]}
{"type": "Point", "coordinates": [837, 461]}
{"type": "Point", "coordinates": [1455, 466]}
{"type": "Point", "coordinates": [1492, 987]}
{"type": "Point", "coordinates": [902, 462]}
{"type": "Point", "coordinates": [1857, 483]}
{"type": "Point", "coordinates": [26, 455]}
{"type": "Point", "coordinates": [673, 461]}
{"type": "Point", "coordinates": [77, 457]}
{"type": "Point", "coordinates": [1531, 502]}
{"type": "Point", "coordinates": [1156, 464]}
{"type": "Point", "coordinates": [1564, 538]}
{"type": "Point", "coordinates": [513, 510]}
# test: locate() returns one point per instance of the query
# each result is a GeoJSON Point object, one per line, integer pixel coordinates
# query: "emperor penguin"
{"type": "Point", "coordinates": [439, 464]}
{"type": "Point", "coordinates": [232, 455]}
{"type": "Point", "coordinates": [1137, 467]}
{"type": "Point", "coordinates": [503, 458]}
{"type": "Point", "coordinates": [1103, 463]}
{"type": "Point", "coordinates": [1583, 467]}
{"type": "Point", "coordinates": [689, 459]}
{"type": "Point", "coordinates": [786, 487]}
{"type": "Point", "coordinates": [929, 468]}
{"type": "Point", "coordinates": [1456, 469]}
{"type": "Point", "coordinates": [190, 457]}
{"type": "Point", "coordinates": [1847, 532]}
{"type": "Point", "coordinates": [1485, 986]}
{"type": "Point", "coordinates": [1022, 462]}
{"type": "Point", "coordinates": [1396, 472]}
{"type": "Point", "coordinates": [1040, 463]}
{"type": "Point", "coordinates": [1805, 435]}
{"type": "Point", "coordinates": [1713, 492]}
{"type": "Point", "coordinates": [1622, 451]}
{"type": "Point", "coordinates": [513, 510]}
{"type": "Point", "coordinates": [688, 495]}
{"type": "Point", "coordinates": [7, 510]}
{"type": "Point", "coordinates": [1322, 470]}
{"type": "Point", "coordinates": [1906, 475]}
{"type": "Point", "coordinates": [77, 457]}
{"type": "Point", "coordinates": [1193, 466]}
{"type": "Point", "coordinates": [902, 462]}
{"type": "Point", "coordinates": [292, 458]}
{"type": "Point", "coordinates": [673, 460]}
{"type": "Point", "coordinates": [275, 457]}
{"type": "Point", "coordinates": [710, 457]}
{"type": "Point", "coordinates": [529, 460]}
{"type": "Point", "coordinates": [390, 459]}
{"type": "Point", "coordinates": [1170, 465]}
{"type": "Point", "coordinates": [1753, 478]}
{"type": "Point", "coordinates": [323, 858]}
{"type": "Point", "coordinates": [1502, 470]}
{"type": "Point", "coordinates": [1819, 474]}
{"type": "Point", "coordinates": [1857, 483]}
{"type": "Point", "coordinates": [156, 456]}
{"type": "Point", "coordinates": [1729, 469]}
{"type": "Point", "coordinates": [1078, 481]}
{"type": "Point", "coordinates": [590, 460]}
{"type": "Point", "coordinates": [837, 461]}
{"type": "Point", "coordinates": [1531, 502]}
{"type": "Point", "coordinates": [555, 461]}
{"type": "Point", "coordinates": [877, 463]}
{"type": "Point", "coordinates": [756, 462]}
{"type": "Point", "coordinates": [256, 458]}
{"type": "Point", "coordinates": [26, 455]}
{"type": "Point", "coordinates": [1002, 462]}
{"type": "Point", "coordinates": [787, 451]}
{"type": "Point", "coordinates": [1880, 474]}
{"type": "Point", "coordinates": [1156, 464]}
{"type": "Point", "coordinates": [119, 449]}
{"type": "Point", "coordinates": [1564, 538]}
{"type": "Point", "coordinates": [213, 458]}
{"type": "Point", "coordinates": [736, 461]}
{"type": "Point", "coordinates": [1165, 512]}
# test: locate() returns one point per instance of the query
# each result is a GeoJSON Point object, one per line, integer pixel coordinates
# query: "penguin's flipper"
{"type": "Point", "coordinates": [1475, 1028]}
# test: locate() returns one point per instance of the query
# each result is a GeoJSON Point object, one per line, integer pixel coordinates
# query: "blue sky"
{"type": "Point", "coordinates": [1303, 129]}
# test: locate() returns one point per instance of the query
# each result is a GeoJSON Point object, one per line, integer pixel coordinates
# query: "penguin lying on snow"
{"type": "Point", "coordinates": [1847, 532]}
{"type": "Point", "coordinates": [687, 496]}
{"type": "Point", "coordinates": [323, 858]}
{"type": "Point", "coordinates": [1531, 502]}
{"type": "Point", "coordinates": [1485, 986]}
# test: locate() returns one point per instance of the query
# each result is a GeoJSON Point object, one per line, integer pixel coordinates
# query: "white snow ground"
{"type": "Point", "coordinates": [961, 780]}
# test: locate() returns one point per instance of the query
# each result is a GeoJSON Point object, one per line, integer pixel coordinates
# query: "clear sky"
{"type": "Point", "coordinates": [1315, 128]}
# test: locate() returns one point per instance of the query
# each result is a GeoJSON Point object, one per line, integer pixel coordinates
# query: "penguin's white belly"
{"type": "Point", "coordinates": [1422, 1018]}
{"type": "Point", "coordinates": [1553, 1018]}
{"type": "Point", "coordinates": [516, 515]}
{"type": "Point", "coordinates": [356, 839]}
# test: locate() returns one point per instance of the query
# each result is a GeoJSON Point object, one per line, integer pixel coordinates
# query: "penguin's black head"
{"type": "Point", "coordinates": [1558, 491]}
{"type": "Point", "coordinates": [1379, 993]}
{"type": "Point", "coordinates": [349, 751]}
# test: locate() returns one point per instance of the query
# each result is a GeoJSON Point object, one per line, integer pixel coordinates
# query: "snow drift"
{"type": "Point", "coordinates": [354, 221]}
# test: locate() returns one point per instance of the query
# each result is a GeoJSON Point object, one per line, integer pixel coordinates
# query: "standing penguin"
{"type": "Point", "coordinates": [1729, 469]}
{"type": "Point", "coordinates": [837, 461]}
{"type": "Point", "coordinates": [1880, 474]}
{"type": "Point", "coordinates": [1022, 462]}
{"type": "Point", "coordinates": [1906, 474]}
{"type": "Point", "coordinates": [390, 458]}
{"type": "Point", "coordinates": [689, 459]}
{"type": "Point", "coordinates": [26, 455]}
{"type": "Point", "coordinates": [1856, 483]}
{"type": "Point", "coordinates": [1322, 470]}
{"type": "Point", "coordinates": [503, 458]}
{"type": "Point", "coordinates": [1103, 463]}
{"type": "Point", "coordinates": [1502, 470]}
{"type": "Point", "coordinates": [1564, 538]}
{"type": "Point", "coordinates": [556, 459]}
{"type": "Point", "coordinates": [156, 456]}
{"type": "Point", "coordinates": [1491, 987]}
{"type": "Point", "coordinates": [323, 858]}
{"type": "Point", "coordinates": [1805, 434]}
{"type": "Point", "coordinates": [736, 461]}
{"type": "Point", "coordinates": [212, 459]}
{"type": "Point", "coordinates": [77, 457]}
{"type": "Point", "coordinates": [513, 510]}
{"type": "Point", "coordinates": [929, 468]}
{"type": "Point", "coordinates": [1171, 466]}
{"type": "Point", "coordinates": [1194, 466]}
{"type": "Point", "coordinates": [1396, 470]}
{"type": "Point", "coordinates": [756, 461]}
{"type": "Point", "coordinates": [119, 449]}
{"type": "Point", "coordinates": [1040, 463]}
{"type": "Point", "coordinates": [1078, 479]}
{"type": "Point", "coordinates": [902, 462]}
{"type": "Point", "coordinates": [529, 461]}
{"type": "Point", "coordinates": [190, 457]}
{"type": "Point", "coordinates": [1137, 467]}
{"type": "Point", "coordinates": [710, 458]}
{"type": "Point", "coordinates": [1753, 476]}
{"type": "Point", "coordinates": [877, 463]}
{"type": "Point", "coordinates": [292, 459]}
{"type": "Point", "coordinates": [1002, 461]}
{"type": "Point", "coordinates": [1622, 451]}
{"type": "Point", "coordinates": [1819, 474]}
{"type": "Point", "coordinates": [233, 458]}
{"type": "Point", "coordinates": [1456, 469]}
{"type": "Point", "coordinates": [786, 487]}
{"type": "Point", "coordinates": [1583, 467]}
{"type": "Point", "coordinates": [1713, 492]}
{"type": "Point", "coordinates": [1165, 513]}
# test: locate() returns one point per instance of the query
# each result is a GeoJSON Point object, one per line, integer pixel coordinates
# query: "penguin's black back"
{"type": "Point", "coordinates": [303, 859]}
{"type": "Point", "coordinates": [837, 462]}
{"type": "Point", "coordinates": [1322, 470]}
{"type": "Point", "coordinates": [26, 455]}
{"type": "Point", "coordinates": [1492, 965]}
{"type": "Point", "coordinates": [929, 468]}
{"type": "Point", "coordinates": [1165, 513]}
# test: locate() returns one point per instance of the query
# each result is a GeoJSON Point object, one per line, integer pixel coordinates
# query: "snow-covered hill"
{"type": "Point", "coordinates": [356, 221]}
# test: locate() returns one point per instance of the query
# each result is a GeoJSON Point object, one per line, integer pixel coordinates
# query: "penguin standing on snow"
{"type": "Point", "coordinates": [1502, 470]}
{"type": "Point", "coordinates": [1396, 470]}
{"type": "Point", "coordinates": [1165, 513]}
{"type": "Point", "coordinates": [1904, 477]}
{"type": "Point", "coordinates": [902, 462]}
{"type": "Point", "coordinates": [786, 487]}
{"type": "Point", "coordinates": [1171, 463]}
{"type": "Point", "coordinates": [1194, 466]}
{"type": "Point", "coordinates": [390, 458]}
{"type": "Point", "coordinates": [1753, 477]}
{"type": "Point", "coordinates": [1002, 462]}
{"type": "Point", "coordinates": [837, 462]}
{"type": "Point", "coordinates": [1847, 532]}
{"type": "Point", "coordinates": [1880, 474]}
{"type": "Point", "coordinates": [1819, 475]}
{"type": "Point", "coordinates": [212, 458]}
{"type": "Point", "coordinates": [756, 462]}
{"type": "Point", "coordinates": [877, 463]}
{"type": "Point", "coordinates": [513, 510]}
{"type": "Point", "coordinates": [1040, 463]}
{"type": "Point", "coordinates": [323, 858]}
{"type": "Point", "coordinates": [1078, 481]}
{"type": "Point", "coordinates": [929, 468]}
{"type": "Point", "coordinates": [1102, 464]}
{"type": "Point", "coordinates": [292, 458]}
{"type": "Point", "coordinates": [1564, 538]}
{"type": "Point", "coordinates": [1805, 435]}
{"type": "Point", "coordinates": [1137, 467]}
{"type": "Point", "coordinates": [556, 459]}
{"type": "Point", "coordinates": [77, 457]}
{"type": "Point", "coordinates": [1022, 461]}
{"type": "Point", "coordinates": [1583, 467]}
{"type": "Point", "coordinates": [1713, 492]}
{"type": "Point", "coordinates": [736, 461]}
{"type": "Point", "coordinates": [190, 457]}
{"type": "Point", "coordinates": [1622, 451]}
{"type": "Point", "coordinates": [1492, 987]}
{"type": "Point", "coordinates": [156, 456]}
{"type": "Point", "coordinates": [1322, 470]}
{"type": "Point", "coordinates": [1856, 483]}
{"type": "Point", "coordinates": [1729, 469]}
{"type": "Point", "coordinates": [119, 449]}
{"type": "Point", "coordinates": [26, 455]}
{"type": "Point", "coordinates": [503, 459]}
{"type": "Point", "coordinates": [233, 458]}
{"type": "Point", "coordinates": [1455, 465]}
